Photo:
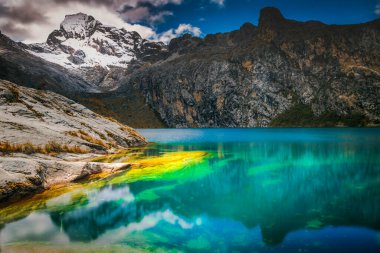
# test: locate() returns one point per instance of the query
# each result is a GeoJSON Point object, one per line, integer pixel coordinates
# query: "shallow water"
{"type": "Point", "coordinates": [222, 190]}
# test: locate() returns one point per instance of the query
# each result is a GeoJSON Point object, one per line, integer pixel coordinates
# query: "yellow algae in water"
{"type": "Point", "coordinates": [147, 168]}
{"type": "Point", "coordinates": [122, 156]}
{"type": "Point", "coordinates": [40, 202]}
{"type": "Point", "coordinates": [160, 167]}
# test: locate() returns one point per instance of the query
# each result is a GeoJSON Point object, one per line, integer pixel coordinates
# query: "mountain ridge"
{"type": "Point", "coordinates": [254, 76]}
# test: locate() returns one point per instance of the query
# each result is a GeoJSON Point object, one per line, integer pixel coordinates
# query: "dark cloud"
{"type": "Point", "coordinates": [118, 3]}
{"type": "Point", "coordinates": [143, 11]}
{"type": "Point", "coordinates": [25, 13]}
{"type": "Point", "coordinates": [18, 34]}
{"type": "Point", "coordinates": [149, 11]}
{"type": "Point", "coordinates": [135, 15]}
{"type": "Point", "coordinates": [18, 18]}
{"type": "Point", "coordinates": [98, 2]}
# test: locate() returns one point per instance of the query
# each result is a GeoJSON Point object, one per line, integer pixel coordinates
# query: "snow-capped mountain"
{"type": "Point", "coordinates": [83, 44]}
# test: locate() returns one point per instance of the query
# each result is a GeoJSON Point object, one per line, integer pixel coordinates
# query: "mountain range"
{"type": "Point", "coordinates": [279, 73]}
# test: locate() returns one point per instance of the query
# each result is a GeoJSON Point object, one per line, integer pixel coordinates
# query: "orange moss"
{"type": "Point", "coordinates": [87, 137]}
{"type": "Point", "coordinates": [247, 65]}
{"type": "Point", "coordinates": [29, 148]}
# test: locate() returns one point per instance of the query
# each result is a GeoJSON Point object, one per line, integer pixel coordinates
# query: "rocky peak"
{"type": "Point", "coordinates": [270, 22]}
{"type": "Point", "coordinates": [79, 25]}
{"type": "Point", "coordinates": [246, 32]}
{"type": "Point", "coordinates": [93, 50]}
{"type": "Point", "coordinates": [270, 16]}
{"type": "Point", "coordinates": [82, 41]}
{"type": "Point", "coordinates": [249, 27]}
{"type": "Point", "coordinates": [184, 43]}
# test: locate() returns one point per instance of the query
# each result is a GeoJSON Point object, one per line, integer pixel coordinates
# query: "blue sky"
{"type": "Point", "coordinates": [212, 18]}
{"type": "Point", "coordinates": [32, 21]}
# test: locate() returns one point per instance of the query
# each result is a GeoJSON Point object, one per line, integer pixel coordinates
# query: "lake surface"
{"type": "Point", "coordinates": [217, 190]}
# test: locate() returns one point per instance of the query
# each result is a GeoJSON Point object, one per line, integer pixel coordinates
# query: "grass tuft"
{"type": "Point", "coordinates": [49, 148]}
{"type": "Point", "coordinates": [87, 137]}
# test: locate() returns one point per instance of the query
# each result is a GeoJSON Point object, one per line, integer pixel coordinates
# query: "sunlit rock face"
{"type": "Point", "coordinates": [278, 73]}
{"type": "Point", "coordinates": [29, 115]}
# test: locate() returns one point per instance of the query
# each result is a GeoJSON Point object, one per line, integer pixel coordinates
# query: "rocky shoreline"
{"type": "Point", "coordinates": [47, 139]}
{"type": "Point", "coordinates": [24, 175]}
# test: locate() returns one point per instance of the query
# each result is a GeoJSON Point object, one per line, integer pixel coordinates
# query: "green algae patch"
{"type": "Point", "coordinates": [199, 244]}
{"type": "Point", "coordinates": [314, 224]}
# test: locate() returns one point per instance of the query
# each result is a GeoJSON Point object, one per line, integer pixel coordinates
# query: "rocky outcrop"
{"type": "Point", "coordinates": [42, 123]}
{"type": "Point", "coordinates": [256, 76]}
{"type": "Point", "coordinates": [39, 118]}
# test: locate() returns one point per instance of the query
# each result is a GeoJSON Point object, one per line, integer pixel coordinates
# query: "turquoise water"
{"type": "Point", "coordinates": [251, 190]}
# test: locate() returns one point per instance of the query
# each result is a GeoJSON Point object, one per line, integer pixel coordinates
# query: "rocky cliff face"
{"type": "Point", "coordinates": [276, 73]}
{"type": "Point", "coordinates": [281, 72]}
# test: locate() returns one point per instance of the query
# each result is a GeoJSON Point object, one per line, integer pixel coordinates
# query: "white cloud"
{"type": "Point", "coordinates": [173, 33]}
{"type": "Point", "coordinates": [218, 2]}
{"type": "Point", "coordinates": [164, 2]}
{"type": "Point", "coordinates": [32, 32]}
{"type": "Point", "coordinates": [38, 32]}
{"type": "Point", "coordinates": [149, 221]}
{"type": "Point", "coordinates": [377, 9]}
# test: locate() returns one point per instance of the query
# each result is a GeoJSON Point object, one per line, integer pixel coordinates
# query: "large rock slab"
{"type": "Point", "coordinates": [41, 117]}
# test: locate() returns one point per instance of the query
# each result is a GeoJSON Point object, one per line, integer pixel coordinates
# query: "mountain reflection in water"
{"type": "Point", "coordinates": [316, 192]}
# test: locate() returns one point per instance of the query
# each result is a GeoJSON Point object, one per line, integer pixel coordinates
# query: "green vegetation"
{"type": "Point", "coordinates": [302, 115]}
{"type": "Point", "coordinates": [127, 108]}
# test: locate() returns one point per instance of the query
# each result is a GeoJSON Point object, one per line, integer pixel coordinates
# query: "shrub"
{"type": "Point", "coordinates": [54, 147]}
{"type": "Point", "coordinates": [247, 65]}
{"type": "Point", "coordinates": [28, 148]}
